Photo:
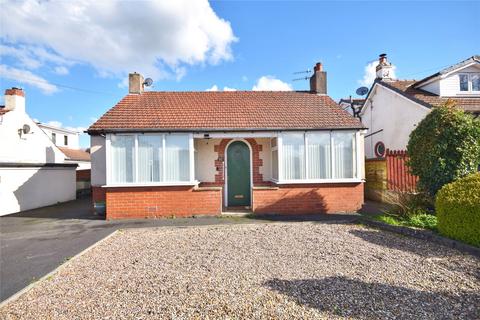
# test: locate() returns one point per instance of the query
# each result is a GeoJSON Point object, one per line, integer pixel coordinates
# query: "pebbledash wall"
{"type": "Point", "coordinates": [207, 197]}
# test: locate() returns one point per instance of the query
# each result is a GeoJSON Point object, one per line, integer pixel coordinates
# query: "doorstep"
{"type": "Point", "coordinates": [236, 211]}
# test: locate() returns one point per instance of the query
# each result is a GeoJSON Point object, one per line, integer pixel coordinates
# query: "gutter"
{"type": "Point", "coordinates": [207, 130]}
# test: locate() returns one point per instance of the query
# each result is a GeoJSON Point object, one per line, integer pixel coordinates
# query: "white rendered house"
{"type": "Point", "coordinates": [29, 161]}
{"type": "Point", "coordinates": [394, 107]}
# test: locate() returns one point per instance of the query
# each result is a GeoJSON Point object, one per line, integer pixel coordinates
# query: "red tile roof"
{"type": "Point", "coordinates": [235, 110]}
{"type": "Point", "coordinates": [75, 154]}
{"type": "Point", "coordinates": [405, 87]}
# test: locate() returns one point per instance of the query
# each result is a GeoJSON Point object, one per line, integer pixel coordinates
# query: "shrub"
{"type": "Point", "coordinates": [425, 221]}
{"type": "Point", "coordinates": [458, 209]}
{"type": "Point", "coordinates": [404, 204]}
{"type": "Point", "coordinates": [443, 147]}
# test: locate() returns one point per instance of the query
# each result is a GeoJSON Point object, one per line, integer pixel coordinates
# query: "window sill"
{"type": "Point", "coordinates": [160, 184]}
{"type": "Point", "coordinates": [319, 181]}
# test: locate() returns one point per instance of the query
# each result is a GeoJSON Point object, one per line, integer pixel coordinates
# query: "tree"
{"type": "Point", "coordinates": [443, 147]}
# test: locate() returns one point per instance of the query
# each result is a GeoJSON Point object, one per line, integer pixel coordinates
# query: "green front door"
{"type": "Point", "coordinates": [238, 174]}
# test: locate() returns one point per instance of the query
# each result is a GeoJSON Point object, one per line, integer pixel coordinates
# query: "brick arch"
{"type": "Point", "coordinates": [256, 161]}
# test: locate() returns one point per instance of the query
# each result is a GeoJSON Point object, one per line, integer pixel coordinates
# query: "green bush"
{"type": "Point", "coordinates": [425, 221]}
{"type": "Point", "coordinates": [443, 147]}
{"type": "Point", "coordinates": [458, 209]}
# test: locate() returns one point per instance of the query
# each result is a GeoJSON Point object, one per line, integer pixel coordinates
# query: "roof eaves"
{"type": "Point", "coordinates": [474, 58]}
{"type": "Point", "coordinates": [199, 130]}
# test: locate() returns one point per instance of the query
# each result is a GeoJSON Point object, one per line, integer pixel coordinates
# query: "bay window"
{"type": "Point", "coordinates": [320, 156]}
{"type": "Point", "coordinates": [150, 159]}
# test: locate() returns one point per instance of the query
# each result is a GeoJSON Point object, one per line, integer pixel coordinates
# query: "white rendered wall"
{"type": "Point", "coordinates": [34, 147]}
{"type": "Point", "coordinates": [266, 156]}
{"type": "Point", "coordinates": [26, 188]}
{"type": "Point", "coordinates": [73, 138]}
{"type": "Point", "coordinates": [393, 113]}
{"type": "Point", "coordinates": [205, 157]}
{"type": "Point", "coordinates": [98, 161]}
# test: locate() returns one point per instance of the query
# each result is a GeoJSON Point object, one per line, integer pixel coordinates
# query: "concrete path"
{"type": "Point", "coordinates": [34, 242]}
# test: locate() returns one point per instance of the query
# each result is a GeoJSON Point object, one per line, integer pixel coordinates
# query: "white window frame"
{"type": "Point", "coordinates": [191, 181]}
{"type": "Point", "coordinates": [356, 160]}
{"type": "Point", "coordinates": [469, 82]}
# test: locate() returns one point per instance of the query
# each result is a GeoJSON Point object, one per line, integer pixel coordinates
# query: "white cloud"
{"type": "Point", "coordinates": [370, 74]}
{"type": "Point", "coordinates": [61, 70]}
{"type": "Point", "coordinates": [25, 76]}
{"type": "Point", "coordinates": [77, 129]}
{"type": "Point", "coordinates": [54, 123]}
{"type": "Point", "coordinates": [215, 88]}
{"type": "Point", "coordinates": [155, 38]}
{"type": "Point", "coordinates": [58, 124]}
{"type": "Point", "coordinates": [270, 83]}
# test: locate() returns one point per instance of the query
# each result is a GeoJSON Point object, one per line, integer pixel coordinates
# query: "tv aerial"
{"type": "Point", "coordinates": [362, 91]}
{"type": "Point", "coordinates": [302, 78]}
{"type": "Point", "coordinates": [148, 82]}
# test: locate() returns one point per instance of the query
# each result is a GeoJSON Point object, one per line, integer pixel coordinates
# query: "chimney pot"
{"type": "Point", "coordinates": [15, 92]}
{"type": "Point", "coordinates": [318, 81]}
{"type": "Point", "coordinates": [15, 99]}
{"type": "Point", "coordinates": [135, 83]}
{"type": "Point", "coordinates": [384, 68]}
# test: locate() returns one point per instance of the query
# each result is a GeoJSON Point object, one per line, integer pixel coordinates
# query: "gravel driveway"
{"type": "Point", "coordinates": [258, 271]}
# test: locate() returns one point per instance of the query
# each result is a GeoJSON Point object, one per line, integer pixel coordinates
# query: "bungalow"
{"type": "Point", "coordinates": [394, 107]}
{"type": "Point", "coordinates": [159, 154]}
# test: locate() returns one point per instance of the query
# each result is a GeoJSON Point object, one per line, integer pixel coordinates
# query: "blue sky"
{"type": "Point", "coordinates": [233, 46]}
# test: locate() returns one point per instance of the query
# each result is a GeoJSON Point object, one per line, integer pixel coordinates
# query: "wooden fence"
{"type": "Point", "coordinates": [387, 175]}
{"type": "Point", "coordinates": [399, 177]}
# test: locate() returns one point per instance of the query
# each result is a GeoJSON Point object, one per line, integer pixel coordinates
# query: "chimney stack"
{"type": "Point", "coordinates": [15, 99]}
{"type": "Point", "coordinates": [384, 68]}
{"type": "Point", "coordinates": [318, 81]}
{"type": "Point", "coordinates": [135, 83]}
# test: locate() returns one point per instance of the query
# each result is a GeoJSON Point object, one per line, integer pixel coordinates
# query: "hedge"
{"type": "Point", "coordinates": [458, 209]}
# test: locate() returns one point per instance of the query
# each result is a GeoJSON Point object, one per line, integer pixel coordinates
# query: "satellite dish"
{"type": "Point", "coordinates": [148, 82]}
{"type": "Point", "coordinates": [26, 128]}
{"type": "Point", "coordinates": [362, 91]}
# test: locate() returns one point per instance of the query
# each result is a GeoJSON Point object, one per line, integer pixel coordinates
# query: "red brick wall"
{"type": "Point", "coordinates": [152, 202]}
{"type": "Point", "coordinates": [256, 162]}
{"type": "Point", "coordinates": [306, 199]}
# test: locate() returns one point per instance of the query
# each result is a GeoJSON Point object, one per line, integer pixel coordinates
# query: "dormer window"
{"type": "Point", "coordinates": [469, 82]}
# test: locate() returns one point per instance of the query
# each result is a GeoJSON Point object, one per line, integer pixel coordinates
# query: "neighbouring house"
{"type": "Point", "coordinates": [394, 107]}
{"type": "Point", "coordinates": [392, 110]}
{"type": "Point", "coordinates": [33, 171]}
{"type": "Point", "coordinates": [158, 154]}
{"type": "Point", "coordinates": [68, 142]}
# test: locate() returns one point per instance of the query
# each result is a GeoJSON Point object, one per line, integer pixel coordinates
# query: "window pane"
{"type": "Point", "coordinates": [149, 158]}
{"type": "Point", "coordinates": [343, 155]}
{"type": "Point", "coordinates": [463, 82]}
{"type": "Point", "coordinates": [275, 164]}
{"type": "Point", "coordinates": [177, 158]}
{"type": "Point", "coordinates": [122, 161]}
{"type": "Point", "coordinates": [475, 82]}
{"type": "Point", "coordinates": [293, 156]}
{"type": "Point", "coordinates": [319, 156]}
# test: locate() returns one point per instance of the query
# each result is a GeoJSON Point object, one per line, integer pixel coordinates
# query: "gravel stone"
{"type": "Point", "coordinates": [259, 271]}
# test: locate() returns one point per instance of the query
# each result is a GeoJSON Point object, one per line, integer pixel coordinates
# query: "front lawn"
{"type": "Point", "coordinates": [424, 221]}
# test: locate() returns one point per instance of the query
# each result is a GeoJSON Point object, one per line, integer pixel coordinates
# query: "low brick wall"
{"type": "Point", "coordinates": [308, 199]}
{"type": "Point", "coordinates": [153, 202]}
